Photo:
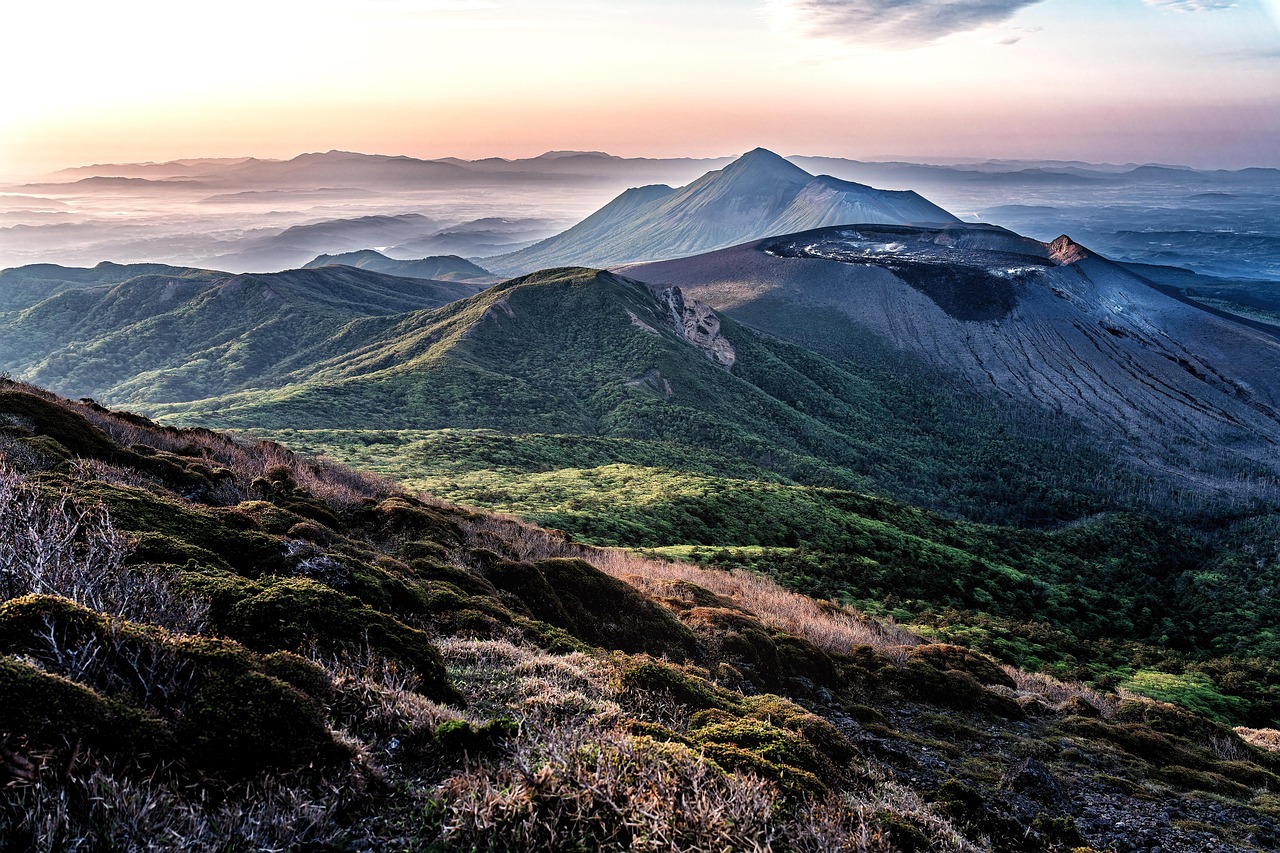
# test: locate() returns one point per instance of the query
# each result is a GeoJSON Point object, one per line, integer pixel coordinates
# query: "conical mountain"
{"type": "Point", "coordinates": [758, 195]}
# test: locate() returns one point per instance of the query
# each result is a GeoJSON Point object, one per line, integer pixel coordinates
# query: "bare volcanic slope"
{"type": "Point", "coordinates": [757, 195]}
{"type": "Point", "coordinates": [1185, 391]}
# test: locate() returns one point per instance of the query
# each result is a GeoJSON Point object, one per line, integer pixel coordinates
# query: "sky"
{"type": "Point", "coordinates": [1195, 82]}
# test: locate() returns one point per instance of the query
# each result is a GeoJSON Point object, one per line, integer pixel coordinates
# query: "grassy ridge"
{"type": "Point", "coordinates": [565, 353]}
{"type": "Point", "coordinates": [149, 333]}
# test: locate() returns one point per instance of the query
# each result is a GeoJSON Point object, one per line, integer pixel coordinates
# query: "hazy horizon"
{"type": "Point", "coordinates": [878, 158]}
{"type": "Point", "coordinates": [1186, 82]}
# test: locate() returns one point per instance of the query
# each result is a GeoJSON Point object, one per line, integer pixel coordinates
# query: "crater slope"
{"type": "Point", "coordinates": [1182, 391]}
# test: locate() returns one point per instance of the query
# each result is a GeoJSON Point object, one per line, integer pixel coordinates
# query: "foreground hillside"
{"type": "Point", "coordinates": [215, 644]}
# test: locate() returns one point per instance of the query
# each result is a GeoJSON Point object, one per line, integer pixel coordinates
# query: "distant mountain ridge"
{"type": "Point", "coordinates": [151, 332]}
{"type": "Point", "coordinates": [438, 268]}
{"type": "Point", "coordinates": [758, 195]}
{"type": "Point", "coordinates": [299, 244]}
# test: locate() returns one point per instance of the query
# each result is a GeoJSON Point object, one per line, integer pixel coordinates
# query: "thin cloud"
{"type": "Point", "coordinates": [896, 21]}
{"type": "Point", "coordinates": [443, 5]}
{"type": "Point", "coordinates": [1016, 35]}
{"type": "Point", "coordinates": [1192, 5]}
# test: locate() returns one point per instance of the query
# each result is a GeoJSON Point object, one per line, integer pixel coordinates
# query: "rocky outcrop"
{"type": "Point", "coordinates": [1065, 251]}
{"type": "Point", "coordinates": [654, 381]}
{"type": "Point", "coordinates": [698, 324]}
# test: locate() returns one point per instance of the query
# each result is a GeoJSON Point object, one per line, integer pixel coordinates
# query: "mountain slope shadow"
{"type": "Point", "coordinates": [1188, 395]}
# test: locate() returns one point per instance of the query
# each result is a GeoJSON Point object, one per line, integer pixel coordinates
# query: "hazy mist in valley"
{"type": "Point", "coordinates": [258, 216]}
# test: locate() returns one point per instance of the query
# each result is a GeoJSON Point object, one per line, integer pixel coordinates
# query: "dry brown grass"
{"type": "Point", "coordinates": [576, 788]}
{"type": "Point", "coordinates": [52, 543]}
{"type": "Point", "coordinates": [118, 475]}
{"type": "Point", "coordinates": [503, 679]}
{"type": "Point", "coordinates": [107, 810]}
{"type": "Point", "coordinates": [828, 626]}
{"type": "Point", "coordinates": [1057, 693]}
{"type": "Point", "coordinates": [581, 787]}
{"type": "Point", "coordinates": [377, 698]}
{"type": "Point", "coordinates": [1268, 739]}
{"type": "Point", "coordinates": [337, 485]}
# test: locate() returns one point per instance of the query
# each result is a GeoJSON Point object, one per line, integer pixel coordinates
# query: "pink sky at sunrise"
{"type": "Point", "coordinates": [1183, 81]}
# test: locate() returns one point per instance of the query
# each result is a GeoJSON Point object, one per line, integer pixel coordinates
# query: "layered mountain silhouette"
{"type": "Point", "coordinates": [151, 332]}
{"type": "Point", "coordinates": [864, 356]}
{"type": "Point", "coordinates": [854, 356]}
{"type": "Point", "coordinates": [437, 267]}
{"type": "Point", "coordinates": [299, 244]}
{"type": "Point", "coordinates": [758, 195]}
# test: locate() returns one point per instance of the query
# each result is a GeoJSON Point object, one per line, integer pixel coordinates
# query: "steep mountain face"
{"type": "Point", "coordinates": [1188, 393]}
{"type": "Point", "coordinates": [438, 268]}
{"type": "Point", "coordinates": [755, 196]}
{"type": "Point", "coordinates": [154, 333]}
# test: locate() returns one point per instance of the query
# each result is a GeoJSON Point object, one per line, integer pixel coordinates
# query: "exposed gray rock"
{"type": "Point", "coordinates": [698, 324]}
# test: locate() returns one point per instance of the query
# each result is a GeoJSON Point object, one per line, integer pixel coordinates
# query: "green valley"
{"type": "Point", "coordinates": [633, 416]}
{"type": "Point", "coordinates": [253, 649]}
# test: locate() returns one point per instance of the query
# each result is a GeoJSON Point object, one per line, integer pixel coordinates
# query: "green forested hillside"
{"type": "Point", "coordinates": [584, 353]}
{"type": "Point", "coordinates": [214, 643]}
{"type": "Point", "coordinates": [588, 402]}
{"type": "Point", "coordinates": [148, 333]}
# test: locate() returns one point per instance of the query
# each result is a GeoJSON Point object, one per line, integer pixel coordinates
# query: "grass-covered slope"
{"type": "Point", "coordinates": [580, 352]}
{"type": "Point", "coordinates": [217, 644]}
{"type": "Point", "coordinates": [146, 333]}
